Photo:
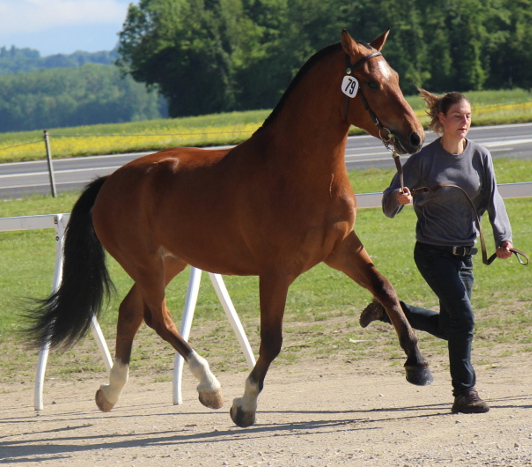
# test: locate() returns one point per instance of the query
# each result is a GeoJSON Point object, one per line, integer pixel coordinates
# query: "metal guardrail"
{"type": "Point", "coordinates": [507, 191]}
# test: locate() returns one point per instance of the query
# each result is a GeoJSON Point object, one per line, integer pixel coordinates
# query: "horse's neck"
{"type": "Point", "coordinates": [310, 130]}
{"type": "Point", "coordinates": [307, 139]}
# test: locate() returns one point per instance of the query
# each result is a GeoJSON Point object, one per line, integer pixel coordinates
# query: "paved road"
{"type": "Point", "coordinates": [17, 179]}
{"type": "Point", "coordinates": [512, 141]}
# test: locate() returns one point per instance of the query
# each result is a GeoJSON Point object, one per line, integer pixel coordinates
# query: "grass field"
{"type": "Point", "coordinates": [322, 307]}
{"type": "Point", "coordinates": [489, 107]}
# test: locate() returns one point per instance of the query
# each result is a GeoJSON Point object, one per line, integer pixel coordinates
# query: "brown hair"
{"type": "Point", "coordinates": [442, 104]}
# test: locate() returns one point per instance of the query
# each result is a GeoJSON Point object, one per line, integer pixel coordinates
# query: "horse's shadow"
{"type": "Point", "coordinates": [315, 421]}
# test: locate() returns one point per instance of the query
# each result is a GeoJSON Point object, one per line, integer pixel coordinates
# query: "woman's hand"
{"type": "Point", "coordinates": [503, 250]}
{"type": "Point", "coordinates": [404, 196]}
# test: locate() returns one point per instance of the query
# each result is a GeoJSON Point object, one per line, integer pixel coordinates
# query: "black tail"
{"type": "Point", "coordinates": [65, 317]}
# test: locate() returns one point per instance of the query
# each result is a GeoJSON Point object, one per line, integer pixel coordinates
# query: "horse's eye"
{"type": "Point", "coordinates": [373, 84]}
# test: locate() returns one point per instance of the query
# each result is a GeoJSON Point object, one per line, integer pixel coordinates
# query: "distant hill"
{"type": "Point", "coordinates": [70, 90]}
{"type": "Point", "coordinates": [14, 60]}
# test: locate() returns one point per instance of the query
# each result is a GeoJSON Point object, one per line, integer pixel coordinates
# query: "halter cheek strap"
{"type": "Point", "coordinates": [349, 71]}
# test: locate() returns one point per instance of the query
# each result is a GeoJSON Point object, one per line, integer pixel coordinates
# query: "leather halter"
{"type": "Point", "coordinates": [349, 71]}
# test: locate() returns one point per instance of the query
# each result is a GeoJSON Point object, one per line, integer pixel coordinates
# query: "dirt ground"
{"type": "Point", "coordinates": [310, 414]}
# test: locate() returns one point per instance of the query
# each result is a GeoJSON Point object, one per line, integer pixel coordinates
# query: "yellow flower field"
{"type": "Point", "coordinates": [489, 108]}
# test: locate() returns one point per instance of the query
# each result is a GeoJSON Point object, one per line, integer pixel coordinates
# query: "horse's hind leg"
{"type": "Point", "coordinates": [351, 258]}
{"type": "Point", "coordinates": [209, 389]}
{"type": "Point", "coordinates": [146, 301]}
{"type": "Point", "coordinates": [158, 317]}
{"type": "Point", "coordinates": [130, 316]}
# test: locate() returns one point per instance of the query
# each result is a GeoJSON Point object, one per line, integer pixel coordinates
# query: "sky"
{"type": "Point", "coordinates": [62, 26]}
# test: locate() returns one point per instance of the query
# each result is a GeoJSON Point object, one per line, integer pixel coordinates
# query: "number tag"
{"type": "Point", "coordinates": [350, 86]}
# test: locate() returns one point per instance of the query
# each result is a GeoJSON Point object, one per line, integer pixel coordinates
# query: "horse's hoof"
{"type": "Point", "coordinates": [102, 402]}
{"type": "Point", "coordinates": [212, 399]}
{"type": "Point", "coordinates": [420, 376]}
{"type": "Point", "coordinates": [241, 418]}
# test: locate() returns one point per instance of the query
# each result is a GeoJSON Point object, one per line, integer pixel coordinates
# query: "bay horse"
{"type": "Point", "coordinates": [273, 206]}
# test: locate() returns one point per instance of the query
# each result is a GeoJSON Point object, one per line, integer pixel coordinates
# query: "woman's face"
{"type": "Point", "coordinates": [457, 121]}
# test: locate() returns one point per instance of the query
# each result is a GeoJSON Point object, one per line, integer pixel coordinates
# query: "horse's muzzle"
{"type": "Point", "coordinates": [411, 145]}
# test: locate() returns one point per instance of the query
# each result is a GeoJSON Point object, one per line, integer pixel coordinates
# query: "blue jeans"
{"type": "Point", "coordinates": [451, 279]}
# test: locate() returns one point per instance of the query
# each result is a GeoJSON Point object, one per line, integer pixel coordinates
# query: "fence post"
{"type": "Point", "coordinates": [49, 158]}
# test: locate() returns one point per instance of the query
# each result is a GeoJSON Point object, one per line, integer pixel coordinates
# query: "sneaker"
{"type": "Point", "coordinates": [469, 402]}
{"type": "Point", "coordinates": [373, 312]}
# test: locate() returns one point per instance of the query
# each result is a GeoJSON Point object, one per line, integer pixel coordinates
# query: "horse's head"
{"type": "Point", "coordinates": [374, 100]}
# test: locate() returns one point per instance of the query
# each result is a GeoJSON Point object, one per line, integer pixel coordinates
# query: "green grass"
{"type": "Point", "coordinates": [151, 135]}
{"type": "Point", "coordinates": [489, 107]}
{"type": "Point", "coordinates": [323, 305]}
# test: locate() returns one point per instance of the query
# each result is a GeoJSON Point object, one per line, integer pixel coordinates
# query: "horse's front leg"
{"type": "Point", "coordinates": [351, 258]}
{"type": "Point", "coordinates": [273, 293]}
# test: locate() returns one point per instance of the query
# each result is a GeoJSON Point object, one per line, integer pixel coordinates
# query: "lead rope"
{"type": "Point", "coordinates": [520, 255]}
{"type": "Point", "coordinates": [397, 160]}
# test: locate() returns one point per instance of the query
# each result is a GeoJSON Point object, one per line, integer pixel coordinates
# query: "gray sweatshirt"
{"type": "Point", "coordinates": [444, 216]}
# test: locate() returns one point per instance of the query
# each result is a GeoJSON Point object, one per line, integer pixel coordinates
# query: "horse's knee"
{"type": "Point", "coordinates": [383, 290]}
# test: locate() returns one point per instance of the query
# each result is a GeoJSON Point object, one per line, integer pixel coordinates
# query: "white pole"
{"type": "Point", "coordinates": [232, 316]}
{"type": "Point", "coordinates": [186, 323]}
{"type": "Point", "coordinates": [60, 222]}
{"type": "Point", "coordinates": [58, 275]}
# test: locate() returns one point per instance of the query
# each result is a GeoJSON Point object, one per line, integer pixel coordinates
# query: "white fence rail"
{"type": "Point", "coordinates": [58, 222]}
{"type": "Point", "coordinates": [507, 190]}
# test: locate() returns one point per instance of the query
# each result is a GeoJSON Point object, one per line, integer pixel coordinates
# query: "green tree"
{"type": "Point", "coordinates": [510, 54]}
{"type": "Point", "coordinates": [182, 48]}
{"type": "Point", "coordinates": [211, 55]}
{"type": "Point", "coordinates": [219, 55]}
{"type": "Point", "coordinates": [61, 97]}
{"type": "Point", "coordinates": [280, 38]}
{"type": "Point", "coordinates": [407, 47]}
{"type": "Point", "coordinates": [14, 60]}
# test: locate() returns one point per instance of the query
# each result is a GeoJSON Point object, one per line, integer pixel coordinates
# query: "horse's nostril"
{"type": "Point", "coordinates": [415, 139]}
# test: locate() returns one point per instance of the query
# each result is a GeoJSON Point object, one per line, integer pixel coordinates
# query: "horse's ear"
{"type": "Point", "coordinates": [379, 42]}
{"type": "Point", "coordinates": [348, 44]}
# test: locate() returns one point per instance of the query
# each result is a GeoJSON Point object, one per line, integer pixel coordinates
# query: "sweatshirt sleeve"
{"type": "Point", "coordinates": [502, 230]}
{"type": "Point", "coordinates": [390, 206]}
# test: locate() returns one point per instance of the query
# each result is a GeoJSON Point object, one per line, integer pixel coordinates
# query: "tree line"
{"type": "Point", "coordinates": [208, 56]}
{"type": "Point", "coordinates": [15, 60]}
{"type": "Point", "coordinates": [65, 97]}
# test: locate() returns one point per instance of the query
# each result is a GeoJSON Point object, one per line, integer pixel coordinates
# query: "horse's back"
{"type": "Point", "coordinates": [226, 211]}
{"type": "Point", "coordinates": [181, 200]}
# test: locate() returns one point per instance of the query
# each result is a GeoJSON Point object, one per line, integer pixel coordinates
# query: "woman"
{"type": "Point", "coordinates": [446, 233]}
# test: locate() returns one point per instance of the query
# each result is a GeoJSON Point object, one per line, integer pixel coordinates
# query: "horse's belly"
{"type": "Point", "coordinates": [211, 251]}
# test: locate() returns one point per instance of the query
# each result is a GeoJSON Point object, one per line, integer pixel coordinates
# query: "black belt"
{"type": "Point", "coordinates": [463, 250]}
{"type": "Point", "coordinates": [455, 250]}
